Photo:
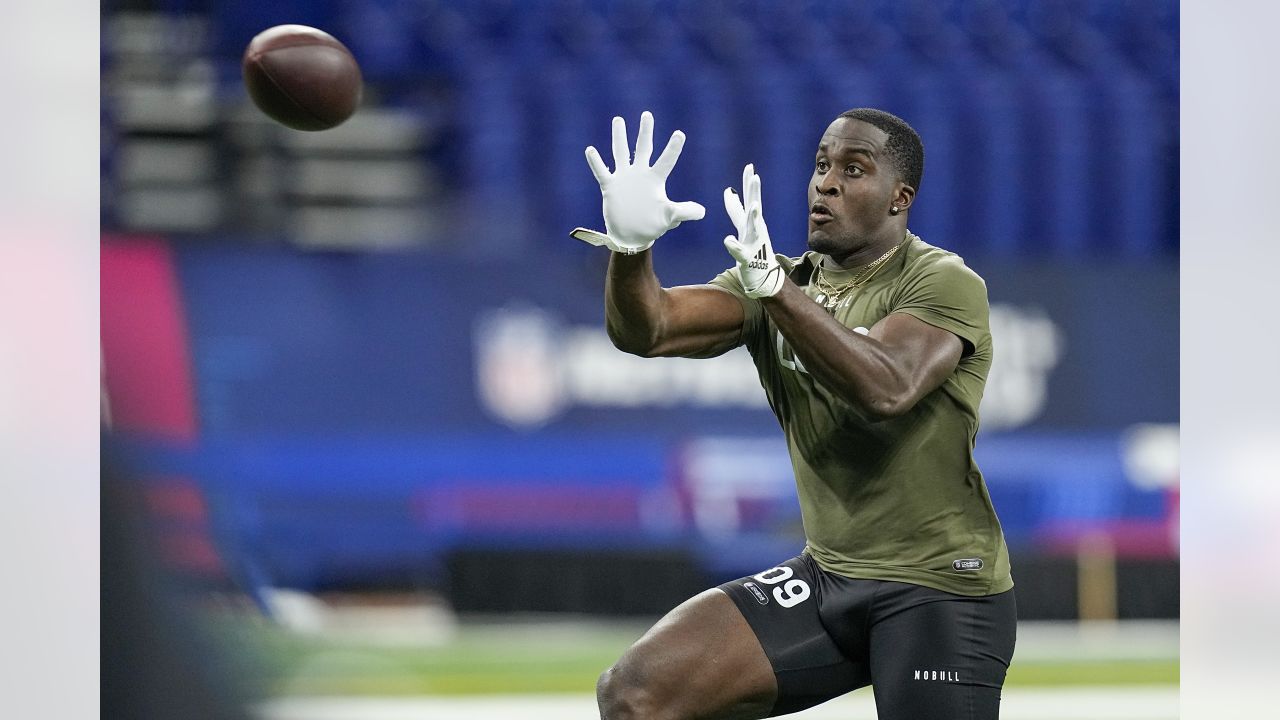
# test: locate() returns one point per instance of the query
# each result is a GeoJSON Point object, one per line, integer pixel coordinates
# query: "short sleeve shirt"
{"type": "Point", "coordinates": [898, 499]}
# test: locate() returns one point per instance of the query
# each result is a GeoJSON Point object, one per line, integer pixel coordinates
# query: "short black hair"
{"type": "Point", "coordinates": [904, 144]}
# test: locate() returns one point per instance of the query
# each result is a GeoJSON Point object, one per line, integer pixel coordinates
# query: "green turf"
{"type": "Point", "coordinates": [477, 662]}
{"type": "Point", "coordinates": [1110, 672]}
{"type": "Point", "coordinates": [496, 660]}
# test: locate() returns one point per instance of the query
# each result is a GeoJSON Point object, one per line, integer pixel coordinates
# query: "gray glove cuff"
{"type": "Point", "coordinates": [593, 237]}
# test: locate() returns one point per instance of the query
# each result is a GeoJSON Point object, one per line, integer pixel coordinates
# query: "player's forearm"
{"type": "Point", "coordinates": [856, 368]}
{"type": "Point", "coordinates": [633, 299]}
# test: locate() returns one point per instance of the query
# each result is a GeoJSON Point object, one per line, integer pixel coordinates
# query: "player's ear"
{"type": "Point", "coordinates": [904, 196]}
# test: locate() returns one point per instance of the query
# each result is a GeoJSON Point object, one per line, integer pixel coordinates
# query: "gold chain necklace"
{"type": "Point", "coordinates": [834, 293]}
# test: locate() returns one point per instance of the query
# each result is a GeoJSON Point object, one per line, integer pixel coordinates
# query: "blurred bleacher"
{"type": "Point", "coordinates": [1050, 126]}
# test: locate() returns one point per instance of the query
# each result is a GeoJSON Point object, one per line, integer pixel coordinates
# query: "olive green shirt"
{"type": "Point", "coordinates": [900, 499]}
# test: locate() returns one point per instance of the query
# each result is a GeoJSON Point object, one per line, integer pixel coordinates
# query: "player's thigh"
{"type": "Point", "coordinates": [786, 607]}
{"type": "Point", "coordinates": [701, 660]}
{"type": "Point", "coordinates": [936, 656]}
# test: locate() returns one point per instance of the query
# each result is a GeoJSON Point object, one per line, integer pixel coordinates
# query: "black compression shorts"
{"type": "Point", "coordinates": [926, 653]}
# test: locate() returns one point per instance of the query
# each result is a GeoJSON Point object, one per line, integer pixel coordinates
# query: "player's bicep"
{"type": "Point", "coordinates": [924, 355]}
{"type": "Point", "coordinates": [699, 321]}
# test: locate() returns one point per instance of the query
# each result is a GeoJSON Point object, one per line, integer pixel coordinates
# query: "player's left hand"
{"type": "Point", "coordinates": [636, 208]}
{"type": "Point", "coordinates": [758, 267]}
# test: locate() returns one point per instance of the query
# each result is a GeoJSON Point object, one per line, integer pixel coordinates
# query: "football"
{"type": "Point", "coordinates": [301, 77]}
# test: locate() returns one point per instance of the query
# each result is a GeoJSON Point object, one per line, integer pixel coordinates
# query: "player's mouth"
{"type": "Point", "coordinates": [820, 213]}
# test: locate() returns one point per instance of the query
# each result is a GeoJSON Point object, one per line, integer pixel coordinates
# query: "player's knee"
{"type": "Point", "coordinates": [623, 694]}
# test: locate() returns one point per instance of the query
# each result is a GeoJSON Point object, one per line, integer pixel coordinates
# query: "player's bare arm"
{"type": "Point", "coordinates": [884, 373]}
{"type": "Point", "coordinates": [642, 317]}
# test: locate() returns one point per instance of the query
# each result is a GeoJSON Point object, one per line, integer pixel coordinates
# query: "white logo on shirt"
{"type": "Point", "coordinates": [782, 356]}
{"type": "Point", "coordinates": [795, 363]}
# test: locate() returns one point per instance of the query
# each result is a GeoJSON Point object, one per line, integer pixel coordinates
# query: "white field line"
{"type": "Point", "coordinates": [1076, 703]}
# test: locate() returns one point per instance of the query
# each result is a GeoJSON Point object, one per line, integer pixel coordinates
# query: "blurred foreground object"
{"type": "Point", "coordinates": [155, 660]}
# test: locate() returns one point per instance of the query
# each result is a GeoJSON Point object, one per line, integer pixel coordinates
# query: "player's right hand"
{"type": "Point", "coordinates": [636, 208]}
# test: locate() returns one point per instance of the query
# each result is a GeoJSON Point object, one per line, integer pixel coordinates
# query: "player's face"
{"type": "Point", "coordinates": [854, 185]}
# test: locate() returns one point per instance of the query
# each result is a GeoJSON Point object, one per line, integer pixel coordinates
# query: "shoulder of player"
{"type": "Point", "coordinates": [789, 263]}
{"type": "Point", "coordinates": [924, 259]}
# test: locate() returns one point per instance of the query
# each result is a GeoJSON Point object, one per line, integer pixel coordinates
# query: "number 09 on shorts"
{"type": "Point", "coordinates": [793, 591]}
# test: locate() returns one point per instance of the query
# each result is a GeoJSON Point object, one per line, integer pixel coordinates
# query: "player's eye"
{"type": "Point", "coordinates": [822, 166]}
{"type": "Point", "coordinates": [853, 170]}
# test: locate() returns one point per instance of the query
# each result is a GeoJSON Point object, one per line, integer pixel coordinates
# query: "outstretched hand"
{"type": "Point", "coordinates": [636, 208]}
{"type": "Point", "coordinates": [758, 267]}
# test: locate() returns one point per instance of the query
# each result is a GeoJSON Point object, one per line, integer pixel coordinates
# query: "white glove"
{"type": "Point", "coordinates": [636, 209]}
{"type": "Point", "coordinates": [761, 274]}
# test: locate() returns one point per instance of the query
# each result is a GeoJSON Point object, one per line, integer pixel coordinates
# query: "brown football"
{"type": "Point", "coordinates": [302, 77]}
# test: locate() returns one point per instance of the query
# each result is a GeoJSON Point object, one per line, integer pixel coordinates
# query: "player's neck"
{"type": "Point", "coordinates": [864, 255]}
